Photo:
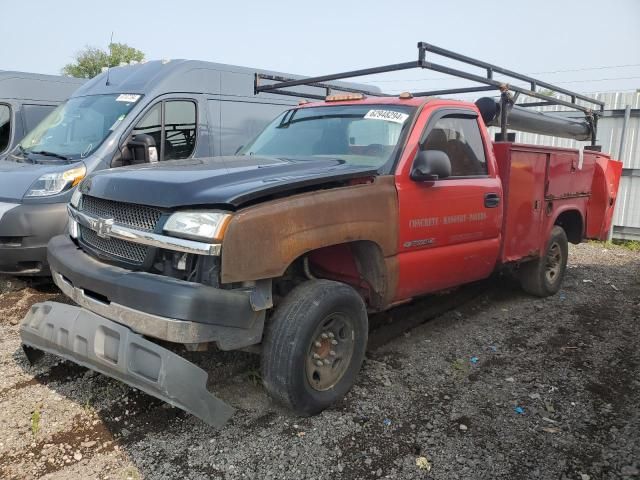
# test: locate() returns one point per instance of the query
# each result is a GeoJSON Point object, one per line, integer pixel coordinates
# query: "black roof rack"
{"type": "Point", "coordinates": [592, 110]}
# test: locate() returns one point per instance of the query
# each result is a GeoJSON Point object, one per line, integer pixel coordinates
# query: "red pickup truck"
{"type": "Point", "coordinates": [338, 208]}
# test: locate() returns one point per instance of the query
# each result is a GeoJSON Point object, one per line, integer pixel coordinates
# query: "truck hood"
{"type": "Point", "coordinates": [16, 177]}
{"type": "Point", "coordinates": [217, 181]}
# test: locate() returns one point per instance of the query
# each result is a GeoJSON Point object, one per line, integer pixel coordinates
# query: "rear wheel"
{"type": "Point", "coordinates": [314, 346]}
{"type": "Point", "coordinates": [543, 277]}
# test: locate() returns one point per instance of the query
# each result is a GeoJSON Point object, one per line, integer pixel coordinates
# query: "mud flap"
{"type": "Point", "coordinates": [114, 350]}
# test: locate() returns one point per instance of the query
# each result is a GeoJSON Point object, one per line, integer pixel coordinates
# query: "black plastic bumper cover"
{"type": "Point", "coordinates": [33, 225]}
{"type": "Point", "coordinates": [113, 350]}
{"type": "Point", "coordinates": [155, 294]}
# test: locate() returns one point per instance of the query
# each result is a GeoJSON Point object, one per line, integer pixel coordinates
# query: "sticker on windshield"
{"type": "Point", "coordinates": [387, 115]}
{"type": "Point", "coordinates": [127, 97]}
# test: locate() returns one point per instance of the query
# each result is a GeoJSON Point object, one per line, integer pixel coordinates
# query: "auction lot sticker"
{"type": "Point", "coordinates": [128, 97]}
{"type": "Point", "coordinates": [387, 115]}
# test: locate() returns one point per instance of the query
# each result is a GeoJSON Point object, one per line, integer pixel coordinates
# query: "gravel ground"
{"type": "Point", "coordinates": [489, 383]}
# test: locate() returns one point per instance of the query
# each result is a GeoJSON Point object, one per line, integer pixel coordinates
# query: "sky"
{"type": "Point", "coordinates": [581, 45]}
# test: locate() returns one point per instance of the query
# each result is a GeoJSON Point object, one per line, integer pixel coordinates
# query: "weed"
{"type": "Point", "coordinates": [459, 367]}
{"type": "Point", "coordinates": [35, 420]}
{"type": "Point", "coordinates": [130, 473]}
{"type": "Point", "coordinates": [253, 374]}
{"type": "Point", "coordinates": [88, 407]}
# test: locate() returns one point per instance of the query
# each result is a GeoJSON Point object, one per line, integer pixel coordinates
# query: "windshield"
{"type": "Point", "coordinates": [363, 135]}
{"type": "Point", "coordinates": [78, 127]}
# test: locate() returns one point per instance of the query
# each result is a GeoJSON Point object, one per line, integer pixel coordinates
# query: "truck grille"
{"type": "Point", "coordinates": [114, 247]}
{"type": "Point", "coordinates": [139, 217]}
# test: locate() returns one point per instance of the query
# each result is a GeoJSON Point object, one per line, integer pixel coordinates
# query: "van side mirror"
{"type": "Point", "coordinates": [430, 165]}
{"type": "Point", "coordinates": [143, 149]}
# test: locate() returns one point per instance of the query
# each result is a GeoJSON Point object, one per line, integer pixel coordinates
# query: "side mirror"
{"type": "Point", "coordinates": [143, 149]}
{"type": "Point", "coordinates": [430, 165]}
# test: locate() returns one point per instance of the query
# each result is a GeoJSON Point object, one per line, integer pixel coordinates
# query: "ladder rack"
{"type": "Point", "coordinates": [487, 82]}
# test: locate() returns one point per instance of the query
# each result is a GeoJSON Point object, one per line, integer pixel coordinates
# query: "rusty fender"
{"type": "Point", "coordinates": [263, 240]}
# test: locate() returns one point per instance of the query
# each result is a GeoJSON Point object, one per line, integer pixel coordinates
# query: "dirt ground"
{"type": "Point", "coordinates": [482, 383]}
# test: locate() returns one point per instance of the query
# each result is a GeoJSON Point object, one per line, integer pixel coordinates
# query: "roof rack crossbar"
{"type": "Point", "coordinates": [488, 82]}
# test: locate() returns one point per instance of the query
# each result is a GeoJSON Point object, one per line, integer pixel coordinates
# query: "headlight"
{"type": "Point", "coordinates": [203, 226]}
{"type": "Point", "coordinates": [53, 183]}
{"type": "Point", "coordinates": [75, 198]}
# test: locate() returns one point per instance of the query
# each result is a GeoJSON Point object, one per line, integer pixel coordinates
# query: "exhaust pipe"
{"type": "Point", "coordinates": [526, 120]}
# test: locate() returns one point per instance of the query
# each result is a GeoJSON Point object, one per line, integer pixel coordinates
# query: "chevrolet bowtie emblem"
{"type": "Point", "coordinates": [103, 227]}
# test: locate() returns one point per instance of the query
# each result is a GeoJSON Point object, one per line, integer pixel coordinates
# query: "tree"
{"type": "Point", "coordinates": [90, 61]}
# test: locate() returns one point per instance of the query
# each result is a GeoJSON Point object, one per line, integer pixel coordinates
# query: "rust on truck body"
{"type": "Point", "coordinates": [263, 240]}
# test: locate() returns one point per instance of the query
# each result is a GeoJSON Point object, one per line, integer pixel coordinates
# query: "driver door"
{"type": "Point", "coordinates": [450, 228]}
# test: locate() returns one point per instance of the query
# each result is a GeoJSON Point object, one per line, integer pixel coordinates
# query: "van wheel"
{"type": "Point", "coordinates": [543, 277]}
{"type": "Point", "coordinates": [314, 346]}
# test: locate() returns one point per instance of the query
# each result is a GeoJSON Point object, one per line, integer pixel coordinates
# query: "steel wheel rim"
{"type": "Point", "coordinates": [553, 263]}
{"type": "Point", "coordinates": [330, 352]}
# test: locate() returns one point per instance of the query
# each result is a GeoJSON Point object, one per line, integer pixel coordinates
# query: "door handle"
{"type": "Point", "coordinates": [491, 200]}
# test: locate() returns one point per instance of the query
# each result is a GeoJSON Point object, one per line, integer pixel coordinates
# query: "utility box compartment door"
{"type": "Point", "coordinates": [525, 174]}
{"type": "Point", "coordinates": [569, 175]}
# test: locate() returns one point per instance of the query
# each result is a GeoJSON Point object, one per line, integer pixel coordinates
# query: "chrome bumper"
{"type": "Point", "coordinates": [113, 350]}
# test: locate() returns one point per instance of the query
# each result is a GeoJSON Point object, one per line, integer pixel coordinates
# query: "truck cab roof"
{"type": "Point", "coordinates": [395, 100]}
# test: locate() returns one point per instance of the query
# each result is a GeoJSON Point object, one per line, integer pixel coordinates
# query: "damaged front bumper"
{"type": "Point", "coordinates": [114, 350]}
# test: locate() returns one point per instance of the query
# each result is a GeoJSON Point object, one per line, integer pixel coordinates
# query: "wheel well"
{"type": "Point", "coordinates": [573, 225]}
{"type": "Point", "coordinates": [359, 264]}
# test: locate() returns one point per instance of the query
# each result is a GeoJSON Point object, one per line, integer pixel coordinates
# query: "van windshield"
{"type": "Point", "coordinates": [363, 135]}
{"type": "Point", "coordinates": [78, 127]}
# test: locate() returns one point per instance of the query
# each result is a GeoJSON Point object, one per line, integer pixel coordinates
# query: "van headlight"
{"type": "Point", "coordinates": [202, 226]}
{"type": "Point", "coordinates": [57, 182]}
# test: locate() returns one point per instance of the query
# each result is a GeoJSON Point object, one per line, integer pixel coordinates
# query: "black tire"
{"type": "Point", "coordinates": [291, 340]}
{"type": "Point", "coordinates": [543, 277]}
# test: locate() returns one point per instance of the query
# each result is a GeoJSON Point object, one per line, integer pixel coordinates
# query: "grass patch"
{"type": "Point", "coordinates": [633, 245]}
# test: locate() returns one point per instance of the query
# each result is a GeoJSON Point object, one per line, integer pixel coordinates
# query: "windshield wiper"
{"type": "Point", "coordinates": [51, 154]}
{"type": "Point", "coordinates": [20, 150]}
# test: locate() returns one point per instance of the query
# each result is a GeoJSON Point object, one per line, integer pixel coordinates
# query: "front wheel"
{"type": "Point", "coordinates": [543, 277]}
{"type": "Point", "coordinates": [314, 346]}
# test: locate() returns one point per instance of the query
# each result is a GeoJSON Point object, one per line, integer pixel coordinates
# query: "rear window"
{"type": "Point", "coordinates": [5, 127]}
